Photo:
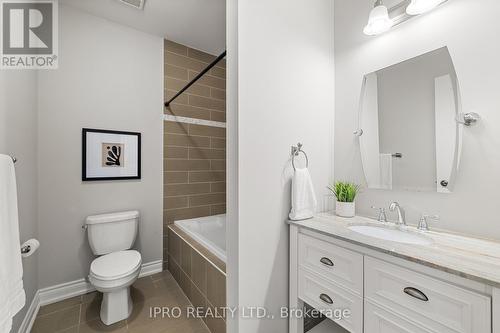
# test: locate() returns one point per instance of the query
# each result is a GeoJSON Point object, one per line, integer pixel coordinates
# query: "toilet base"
{"type": "Point", "coordinates": [116, 306]}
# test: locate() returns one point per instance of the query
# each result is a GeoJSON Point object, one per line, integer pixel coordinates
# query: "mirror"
{"type": "Point", "coordinates": [408, 131]}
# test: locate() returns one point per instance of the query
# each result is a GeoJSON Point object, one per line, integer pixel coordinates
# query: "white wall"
{"type": "Point", "coordinates": [470, 30]}
{"type": "Point", "coordinates": [109, 77]}
{"type": "Point", "coordinates": [285, 95]}
{"type": "Point", "coordinates": [18, 137]}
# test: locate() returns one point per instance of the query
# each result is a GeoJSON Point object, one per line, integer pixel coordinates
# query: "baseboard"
{"type": "Point", "coordinates": [151, 268]}
{"type": "Point", "coordinates": [67, 290]}
{"type": "Point", "coordinates": [30, 316]}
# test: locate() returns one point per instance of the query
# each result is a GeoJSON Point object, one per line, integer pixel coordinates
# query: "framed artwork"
{"type": "Point", "coordinates": [110, 155]}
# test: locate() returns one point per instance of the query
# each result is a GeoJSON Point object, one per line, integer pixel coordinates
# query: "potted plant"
{"type": "Point", "coordinates": [345, 192]}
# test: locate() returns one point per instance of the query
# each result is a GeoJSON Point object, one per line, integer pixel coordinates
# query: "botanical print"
{"type": "Point", "coordinates": [112, 154]}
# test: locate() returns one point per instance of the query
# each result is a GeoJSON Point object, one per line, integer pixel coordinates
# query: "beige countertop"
{"type": "Point", "coordinates": [471, 258]}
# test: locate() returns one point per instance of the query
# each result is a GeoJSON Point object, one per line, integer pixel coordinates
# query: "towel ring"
{"type": "Point", "coordinates": [295, 152]}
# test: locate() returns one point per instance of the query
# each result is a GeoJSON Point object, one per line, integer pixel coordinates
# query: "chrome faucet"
{"type": "Point", "coordinates": [382, 217]}
{"type": "Point", "coordinates": [423, 224]}
{"type": "Point", "coordinates": [401, 213]}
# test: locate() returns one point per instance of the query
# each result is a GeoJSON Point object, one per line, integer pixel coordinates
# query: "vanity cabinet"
{"type": "Point", "coordinates": [383, 294]}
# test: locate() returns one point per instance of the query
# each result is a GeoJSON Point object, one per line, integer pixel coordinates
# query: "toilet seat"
{"type": "Point", "coordinates": [115, 265]}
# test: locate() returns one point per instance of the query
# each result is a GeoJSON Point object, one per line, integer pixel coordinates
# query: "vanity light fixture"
{"type": "Point", "coordinates": [417, 7]}
{"type": "Point", "coordinates": [379, 21]}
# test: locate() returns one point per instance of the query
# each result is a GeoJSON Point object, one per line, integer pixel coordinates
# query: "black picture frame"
{"type": "Point", "coordinates": [85, 131]}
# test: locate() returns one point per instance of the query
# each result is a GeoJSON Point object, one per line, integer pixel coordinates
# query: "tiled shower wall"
{"type": "Point", "coordinates": [194, 155]}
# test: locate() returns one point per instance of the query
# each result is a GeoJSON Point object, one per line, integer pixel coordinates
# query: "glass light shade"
{"type": "Point", "coordinates": [417, 7]}
{"type": "Point", "coordinates": [378, 21]}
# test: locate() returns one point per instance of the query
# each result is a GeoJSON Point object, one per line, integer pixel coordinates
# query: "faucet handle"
{"type": "Point", "coordinates": [382, 217]}
{"type": "Point", "coordinates": [423, 224]}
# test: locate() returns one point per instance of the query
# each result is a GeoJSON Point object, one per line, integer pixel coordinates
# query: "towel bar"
{"type": "Point", "coordinates": [295, 152]}
{"type": "Point", "coordinates": [13, 159]}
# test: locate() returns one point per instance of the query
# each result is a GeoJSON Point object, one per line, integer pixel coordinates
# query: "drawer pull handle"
{"type": "Point", "coordinates": [325, 298]}
{"type": "Point", "coordinates": [327, 262]}
{"type": "Point", "coordinates": [415, 293]}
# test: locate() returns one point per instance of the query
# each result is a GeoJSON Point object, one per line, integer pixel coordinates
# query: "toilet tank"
{"type": "Point", "coordinates": [112, 232]}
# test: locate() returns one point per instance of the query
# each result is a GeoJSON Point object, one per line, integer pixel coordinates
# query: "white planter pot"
{"type": "Point", "coordinates": [345, 209]}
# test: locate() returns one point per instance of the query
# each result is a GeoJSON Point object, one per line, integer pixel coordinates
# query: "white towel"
{"type": "Point", "coordinates": [303, 197]}
{"type": "Point", "coordinates": [12, 296]}
{"type": "Point", "coordinates": [385, 171]}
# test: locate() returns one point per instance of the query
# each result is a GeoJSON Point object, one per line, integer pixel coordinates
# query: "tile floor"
{"type": "Point", "coordinates": [81, 314]}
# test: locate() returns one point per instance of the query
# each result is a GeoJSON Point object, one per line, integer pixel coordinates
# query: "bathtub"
{"type": "Point", "coordinates": [209, 231]}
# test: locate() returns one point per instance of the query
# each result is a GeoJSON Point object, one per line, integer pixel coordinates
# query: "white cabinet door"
{"type": "Point", "coordinates": [378, 320]}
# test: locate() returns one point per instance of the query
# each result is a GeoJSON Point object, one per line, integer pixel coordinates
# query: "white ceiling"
{"type": "Point", "coordinates": [200, 24]}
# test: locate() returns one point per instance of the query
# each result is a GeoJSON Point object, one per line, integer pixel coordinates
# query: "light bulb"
{"type": "Point", "coordinates": [417, 7]}
{"type": "Point", "coordinates": [379, 20]}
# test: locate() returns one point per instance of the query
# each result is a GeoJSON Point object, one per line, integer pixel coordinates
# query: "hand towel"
{"type": "Point", "coordinates": [12, 296]}
{"type": "Point", "coordinates": [303, 196]}
{"type": "Point", "coordinates": [385, 171]}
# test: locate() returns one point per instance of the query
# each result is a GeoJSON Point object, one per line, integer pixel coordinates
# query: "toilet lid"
{"type": "Point", "coordinates": [115, 265]}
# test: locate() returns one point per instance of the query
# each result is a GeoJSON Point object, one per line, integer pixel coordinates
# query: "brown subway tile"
{"type": "Point", "coordinates": [207, 154]}
{"type": "Point", "coordinates": [174, 269]}
{"type": "Point", "coordinates": [175, 202]}
{"type": "Point", "coordinates": [174, 246]}
{"type": "Point", "coordinates": [206, 176]}
{"type": "Point", "coordinates": [189, 111]}
{"type": "Point", "coordinates": [175, 177]}
{"type": "Point", "coordinates": [218, 209]}
{"type": "Point", "coordinates": [219, 72]}
{"type": "Point", "coordinates": [218, 93]}
{"type": "Point", "coordinates": [217, 143]}
{"type": "Point", "coordinates": [174, 84]}
{"type": "Point", "coordinates": [216, 287]}
{"type": "Point", "coordinates": [181, 99]}
{"type": "Point", "coordinates": [196, 89]}
{"type": "Point", "coordinates": [200, 90]}
{"type": "Point", "coordinates": [207, 199]}
{"type": "Point", "coordinates": [218, 165]}
{"type": "Point", "coordinates": [209, 103]}
{"type": "Point", "coordinates": [185, 284]}
{"type": "Point", "coordinates": [176, 152]}
{"type": "Point", "coordinates": [187, 165]}
{"type": "Point", "coordinates": [203, 130]}
{"type": "Point", "coordinates": [185, 62]}
{"type": "Point", "coordinates": [218, 187]}
{"type": "Point", "coordinates": [186, 189]}
{"type": "Point", "coordinates": [200, 55]}
{"type": "Point", "coordinates": [218, 116]}
{"type": "Point", "coordinates": [197, 298]}
{"type": "Point", "coordinates": [209, 80]}
{"type": "Point", "coordinates": [199, 271]}
{"type": "Point", "coordinates": [175, 128]}
{"type": "Point", "coordinates": [186, 213]}
{"type": "Point", "coordinates": [186, 141]}
{"type": "Point", "coordinates": [178, 72]}
{"type": "Point", "coordinates": [186, 257]}
{"type": "Point", "coordinates": [175, 47]}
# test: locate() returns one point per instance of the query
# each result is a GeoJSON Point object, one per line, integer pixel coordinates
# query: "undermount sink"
{"type": "Point", "coordinates": [390, 234]}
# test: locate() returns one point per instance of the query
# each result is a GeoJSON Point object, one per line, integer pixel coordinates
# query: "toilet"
{"type": "Point", "coordinates": [110, 237]}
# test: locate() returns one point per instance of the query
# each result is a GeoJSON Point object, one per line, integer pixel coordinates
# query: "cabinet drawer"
{"type": "Point", "coordinates": [332, 262]}
{"type": "Point", "coordinates": [378, 320]}
{"type": "Point", "coordinates": [430, 302]}
{"type": "Point", "coordinates": [324, 295]}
